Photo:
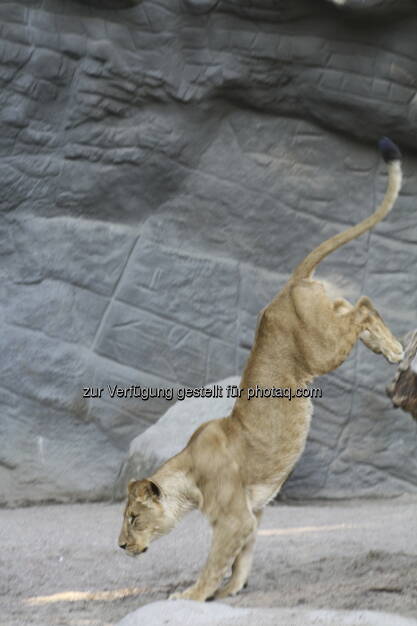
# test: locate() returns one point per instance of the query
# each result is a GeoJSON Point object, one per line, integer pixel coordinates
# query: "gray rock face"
{"type": "Point", "coordinates": [216, 614]}
{"type": "Point", "coordinates": [164, 166]}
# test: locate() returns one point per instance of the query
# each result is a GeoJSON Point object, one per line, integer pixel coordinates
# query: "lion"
{"type": "Point", "coordinates": [233, 466]}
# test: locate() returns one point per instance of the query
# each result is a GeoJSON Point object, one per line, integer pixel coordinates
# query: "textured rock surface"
{"type": "Point", "coordinates": [189, 613]}
{"type": "Point", "coordinates": [403, 388]}
{"type": "Point", "coordinates": [164, 166]}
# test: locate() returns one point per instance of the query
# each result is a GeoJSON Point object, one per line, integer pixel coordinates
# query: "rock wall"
{"type": "Point", "coordinates": [164, 166]}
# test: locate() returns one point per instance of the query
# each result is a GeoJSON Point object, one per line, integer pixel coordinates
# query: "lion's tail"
{"type": "Point", "coordinates": [391, 155]}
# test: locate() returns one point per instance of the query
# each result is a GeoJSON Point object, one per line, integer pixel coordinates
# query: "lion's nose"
{"type": "Point", "coordinates": [123, 546]}
{"type": "Point", "coordinates": [144, 550]}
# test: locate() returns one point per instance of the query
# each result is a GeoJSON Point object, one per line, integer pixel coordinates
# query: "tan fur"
{"type": "Point", "coordinates": [232, 467]}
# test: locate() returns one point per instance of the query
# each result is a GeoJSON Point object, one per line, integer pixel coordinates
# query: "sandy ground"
{"type": "Point", "coordinates": [61, 565]}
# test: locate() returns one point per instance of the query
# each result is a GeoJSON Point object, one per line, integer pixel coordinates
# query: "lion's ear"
{"type": "Point", "coordinates": [154, 489]}
{"type": "Point", "coordinates": [133, 488]}
{"type": "Point", "coordinates": [144, 490]}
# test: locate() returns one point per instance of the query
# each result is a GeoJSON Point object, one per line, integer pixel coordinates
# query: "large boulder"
{"type": "Point", "coordinates": [184, 612]}
{"type": "Point", "coordinates": [164, 166]}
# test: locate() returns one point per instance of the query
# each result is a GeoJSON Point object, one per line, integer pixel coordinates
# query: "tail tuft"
{"type": "Point", "coordinates": [390, 152]}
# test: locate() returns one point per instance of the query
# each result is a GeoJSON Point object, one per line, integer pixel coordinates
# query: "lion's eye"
{"type": "Point", "coordinates": [132, 519]}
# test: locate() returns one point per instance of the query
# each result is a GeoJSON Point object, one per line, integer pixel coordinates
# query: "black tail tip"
{"type": "Point", "coordinates": [390, 152]}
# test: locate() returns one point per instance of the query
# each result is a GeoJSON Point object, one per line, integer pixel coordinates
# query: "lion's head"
{"type": "Point", "coordinates": [144, 518]}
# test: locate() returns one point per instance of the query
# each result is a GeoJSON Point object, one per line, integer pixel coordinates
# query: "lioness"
{"type": "Point", "coordinates": [231, 467]}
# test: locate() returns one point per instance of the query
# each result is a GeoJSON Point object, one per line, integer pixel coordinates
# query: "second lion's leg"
{"type": "Point", "coordinates": [241, 566]}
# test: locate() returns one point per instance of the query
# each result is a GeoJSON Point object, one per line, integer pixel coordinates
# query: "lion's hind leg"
{"type": "Point", "coordinates": [372, 330]}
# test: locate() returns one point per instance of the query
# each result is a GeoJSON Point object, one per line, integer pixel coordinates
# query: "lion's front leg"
{"type": "Point", "coordinates": [230, 534]}
{"type": "Point", "coordinates": [241, 566]}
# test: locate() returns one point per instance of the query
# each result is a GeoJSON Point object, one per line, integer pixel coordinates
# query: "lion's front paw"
{"type": "Point", "coordinates": [175, 596]}
{"type": "Point", "coordinates": [225, 592]}
{"type": "Point", "coordinates": [232, 588]}
{"type": "Point", "coordinates": [191, 593]}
